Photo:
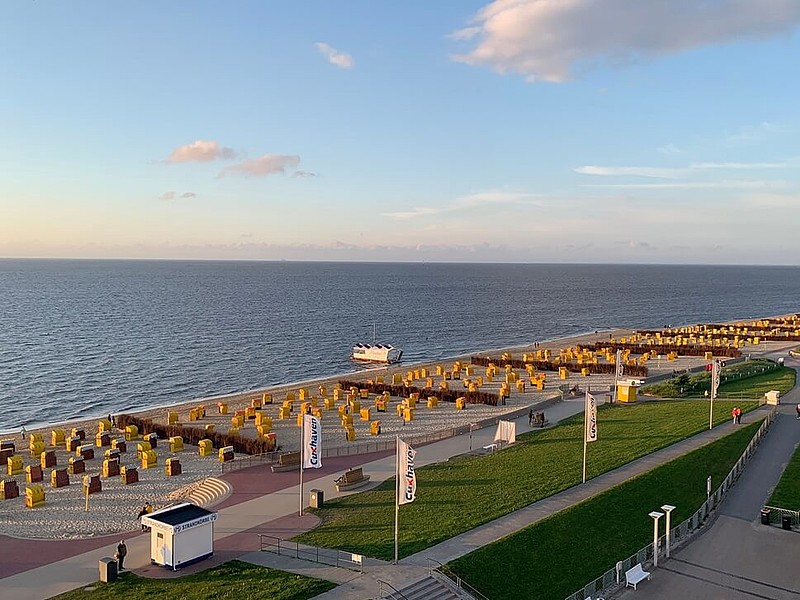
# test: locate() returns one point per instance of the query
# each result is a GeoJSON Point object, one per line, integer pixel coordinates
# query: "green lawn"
{"type": "Point", "coordinates": [558, 556]}
{"type": "Point", "coordinates": [235, 580]}
{"type": "Point", "coordinates": [787, 492]}
{"type": "Point", "coordinates": [749, 379]}
{"type": "Point", "coordinates": [783, 379]}
{"type": "Point", "coordinates": [463, 493]}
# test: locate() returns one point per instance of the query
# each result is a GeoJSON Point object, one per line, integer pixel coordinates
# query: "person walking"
{"type": "Point", "coordinates": [122, 552]}
{"type": "Point", "coordinates": [530, 417]}
{"type": "Point", "coordinates": [798, 410]}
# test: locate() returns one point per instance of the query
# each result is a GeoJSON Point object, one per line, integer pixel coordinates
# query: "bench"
{"type": "Point", "coordinates": [352, 479]}
{"type": "Point", "coordinates": [289, 461]}
{"type": "Point", "coordinates": [635, 575]}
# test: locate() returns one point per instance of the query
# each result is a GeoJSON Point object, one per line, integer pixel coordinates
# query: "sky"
{"type": "Point", "coordinates": [589, 131]}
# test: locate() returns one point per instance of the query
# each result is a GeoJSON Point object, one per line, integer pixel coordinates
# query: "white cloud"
{"type": "Point", "coordinates": [200, 151]}
{"type": "Point", "coordinates": [741, 166]}
{"type": "Point", "coordinates": [547, 39]}
{"type": "Point", "coordinates": [493, 198]}
{"type": "Point", "coordinates": [658, 172]}
{"type": "Point", "coordinates": [340, 59]}
{"type": "Point", "coordinates": [167, 196]}
{"type": "Point", "coordinates": [773, 201]}
{"type": "Point", "coordinates": [269, 164]}
{"type": "Point", "coordinates": [688, 185]}
{"type": "Point", "coordinates": [669, 149]}
{"type": "Point", "coordinates": [188, 195]}
{"type": "Point", "coordinates": [465, 202]}
{"type": "Point", "coordinates": [304, 174]}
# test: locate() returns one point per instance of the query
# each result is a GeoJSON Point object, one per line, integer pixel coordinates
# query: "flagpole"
{"type": "Point", "coordinates": [396, 495]}
{"type": "Point", "coordinates": [585, 425]}
{"type": "Point", "coordinates": [616, 374]}
{"type": "Point", "coordinates": [302, 457]}
{"type": "Point", "coordinates": [714, 385]}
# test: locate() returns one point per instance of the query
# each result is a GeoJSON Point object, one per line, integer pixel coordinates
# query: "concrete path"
{"type": "Point", "coordinates": [737, 558]}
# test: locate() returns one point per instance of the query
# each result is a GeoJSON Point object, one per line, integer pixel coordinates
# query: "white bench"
{"type": "Point", "coordinates": [635, 575]}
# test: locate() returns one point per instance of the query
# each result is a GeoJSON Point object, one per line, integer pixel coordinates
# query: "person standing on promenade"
{"type": "Point", "coordinates": [23, 427]}
{"type": "Point", "coordinates": [122, 552]}
{"type": "Point", "coordinates": [530, 417]}
{"type": "Point", "coordinates": [798, 410]}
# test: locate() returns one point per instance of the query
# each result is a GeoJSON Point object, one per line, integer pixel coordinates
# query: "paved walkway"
{"type": "Point", "coordinates": [737, 558]}
{"type": "Point", "coordinates": [276, 513]}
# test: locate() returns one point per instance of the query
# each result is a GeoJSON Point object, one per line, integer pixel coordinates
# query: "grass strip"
{"type": "Point", "coordinates": [782, 379]}
{"type": "Point", "coordinates": [468, 491]}
{"type": "Point", "coordinates": [234, 580]}
{"type": "Point", "coordinates": [749, 379]}
{"type": "Point", "coordinates": [557, 556]}
{"type": "Point", "coordinates": [787, 492]}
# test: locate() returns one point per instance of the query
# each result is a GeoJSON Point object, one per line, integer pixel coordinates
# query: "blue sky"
{"type": "Point", "coordinates": [515, 130]}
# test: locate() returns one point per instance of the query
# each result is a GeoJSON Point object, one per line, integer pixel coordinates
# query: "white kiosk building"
{"type": "Point", "coordinates": [180, 535]}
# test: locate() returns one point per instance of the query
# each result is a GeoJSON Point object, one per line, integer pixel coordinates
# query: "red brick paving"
{"type": "Point", "coordinates": [18, 555]}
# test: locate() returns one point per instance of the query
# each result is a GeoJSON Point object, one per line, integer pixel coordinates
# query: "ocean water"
{"type": "Point", "coordinates": [82, 338]}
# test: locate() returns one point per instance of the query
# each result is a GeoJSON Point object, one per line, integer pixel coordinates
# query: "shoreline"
{"type": "Point", "coordinates": [313, 381]}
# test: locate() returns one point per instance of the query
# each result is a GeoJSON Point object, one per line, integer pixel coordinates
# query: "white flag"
{"type": "Point", "coordinates": [506, 432]}
{"type": "Point", "coordinates": [405, 472]}
{"type": "Point", "coordinates": [714, 379]}
{"type": "Point", "coordinates": [312, 442]}
{"type": "Point", "coordinates": [620, 364]}
{"type": "Point", "coordinates": [590, 418]}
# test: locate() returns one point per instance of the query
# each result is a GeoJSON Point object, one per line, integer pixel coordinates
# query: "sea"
{"type": "Point", "coordinates": [84, 338]}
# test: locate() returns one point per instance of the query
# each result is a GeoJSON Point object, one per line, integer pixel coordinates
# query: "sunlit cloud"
{"type": "Point", "coordinates": [269, 164]}
{"type": "Point", "coordinates": [304, 174]}
{"type": "Point", "coordinates": [466, 202]}
{"type": "Point", "coordinates": [340, 59]}
{"type": "Point", "coordinates": [773, 201]}
{"type": "Point", "coordinates": [742, 166]}
{"type": "Point", "coordinates": [167, 196]}
{"type": "Point", "coordinates": [662, 173]}
{"type": "Point", "coordinates": [690, 185]}
{"type": "Point", "coordinates": [200, 151]}
{"type": "Point", "coordinates": [547, 40]}
{"type": "Point", "coordinates": [188, 195]}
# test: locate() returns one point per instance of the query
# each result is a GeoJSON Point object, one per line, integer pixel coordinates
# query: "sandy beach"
{"type": "Point", "coordinates": [114, 509]}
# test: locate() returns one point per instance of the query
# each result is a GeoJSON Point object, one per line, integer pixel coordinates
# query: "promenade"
{"type": "Point", "coordinates": [276, 513]}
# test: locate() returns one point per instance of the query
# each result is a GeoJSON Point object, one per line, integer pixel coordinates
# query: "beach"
{"type": "Point", "coordinates": [114, 509]}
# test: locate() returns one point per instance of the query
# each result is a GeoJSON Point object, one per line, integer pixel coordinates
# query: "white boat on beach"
{"type": "Point", "coordinates": [376, 353]}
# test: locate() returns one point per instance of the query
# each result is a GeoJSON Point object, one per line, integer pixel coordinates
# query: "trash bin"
{"type": "Point", "coordinates": [765, 516]}
{"type": "Point", "coordinates": [317, 498]}
{"type": "Point", "coordinates": [786, 522]}
{"type": "Point", "coordinates": [108, 569]}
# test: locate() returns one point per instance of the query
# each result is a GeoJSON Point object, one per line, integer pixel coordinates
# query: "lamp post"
{"type": "Point", "coordinates": [656, 516]}
{"type": "Point", "coordinates": [668, 508]}
{"type": "Point", "coordinates": [472, 427]}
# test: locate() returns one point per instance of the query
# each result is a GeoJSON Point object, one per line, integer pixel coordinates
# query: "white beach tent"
{"type": "Point", "coordinates": [180, 534]}
{"type": "Point", "coordinates": [506, 432]}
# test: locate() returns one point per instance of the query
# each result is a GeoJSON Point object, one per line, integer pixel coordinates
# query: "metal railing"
{"type": "Point", "coordinates": [616, 576]}
{"type": "Point", "coordinates": [454, 579]}
{"type": "Point", "coordinates": [325, 556]}
{"type": "Point", "coordinates": [394, 593]}
{"type": "Point", "coordinates": [776, 515]}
